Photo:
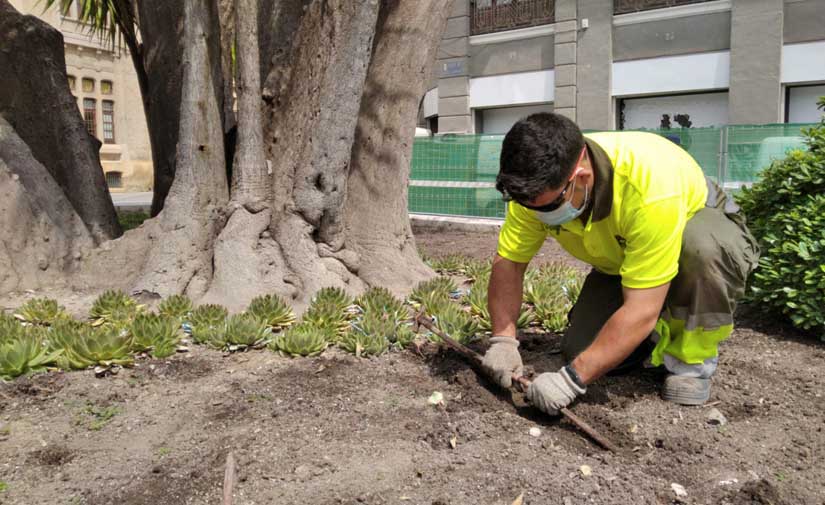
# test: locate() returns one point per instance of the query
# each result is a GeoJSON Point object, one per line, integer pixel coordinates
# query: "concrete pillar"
{"type": "Point", "coordinates": [565, 54]}
{"type": "Point", "coordinates": [453, 72]}
{"type": "Point", "coordinates": [594, 61]}
{"type": "Point", "coordinates": [755, 62]}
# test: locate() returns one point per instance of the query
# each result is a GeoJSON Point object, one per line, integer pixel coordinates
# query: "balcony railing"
{"type": "Point", "coordinates": [488, 16]}
{"type": "Point", "coordinates": [627, 6]}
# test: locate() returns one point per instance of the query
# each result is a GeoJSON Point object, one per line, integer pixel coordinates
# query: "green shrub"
{"type": "Point", "coordinates": [131, 220]}
{"type": "Point", "coordinates": [786, 214]}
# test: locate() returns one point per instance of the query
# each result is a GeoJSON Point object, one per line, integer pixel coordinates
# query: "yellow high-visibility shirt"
{"type": "Point", "coordinates": [646, 190]}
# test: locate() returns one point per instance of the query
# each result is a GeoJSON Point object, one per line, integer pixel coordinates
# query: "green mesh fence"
{"type": "Point", "coordinates": [455, 174]}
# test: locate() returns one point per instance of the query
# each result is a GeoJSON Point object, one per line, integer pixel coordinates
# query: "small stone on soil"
{"type": "Point", "coordinates": [586, 470]}
{"type": "Point", "coordinates": [715, 417]}
{"type": "Point", "coordinates": [679, 490]}
{"type": "Point", "coordinates": [535, 432]}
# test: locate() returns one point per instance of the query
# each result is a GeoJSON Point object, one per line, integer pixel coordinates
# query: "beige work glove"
{"type": "Point", "coordinates": [553, 391]}
{"type": "Point", "coordinates": [502, 360]}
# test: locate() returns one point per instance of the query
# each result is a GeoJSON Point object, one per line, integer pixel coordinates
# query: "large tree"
{"type": "Point", "coordinates": [305, 189]}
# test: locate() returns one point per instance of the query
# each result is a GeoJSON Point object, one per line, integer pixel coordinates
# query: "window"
{"type": "Point", "coordinates": [106, 87]}
{"type": "Point", "coordinates": [114, 179]}
{"type": "Point", "coordinates": [71, 82]}
{"type": "Point", "coordinates": [88, 85]}
{"type": "Point", "coordinates": [89, 109]}
{"type": "Point", "coordinates": [108, 122]}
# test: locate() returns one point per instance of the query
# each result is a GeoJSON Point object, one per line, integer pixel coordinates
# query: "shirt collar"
{"type": "Point", "coordinates": [603, 184]}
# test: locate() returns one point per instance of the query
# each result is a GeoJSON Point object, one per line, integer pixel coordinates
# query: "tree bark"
{"type": "Point", "coordinates": [161, 33]}
{"type": "Point", "coordinates": [250, 180]}
{"type": "Point", "coordinates": [377, 224]}
{"type": "Point", "coordinates": [180, 255]}
{"type": "Point", "coordinates": [42, 238]}
{"type": "Point", "coordinates": [36, 101]}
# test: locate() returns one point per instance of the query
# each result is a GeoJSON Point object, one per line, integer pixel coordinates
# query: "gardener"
{"type": "Point", "coordinates": [670, 256]}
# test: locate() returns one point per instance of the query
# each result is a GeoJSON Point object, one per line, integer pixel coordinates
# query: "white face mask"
{"type": "Point", "coordinates": [565, 213]}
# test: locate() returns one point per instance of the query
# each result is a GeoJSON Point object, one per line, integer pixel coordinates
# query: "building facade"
{"type": "Point", "coordinates": [628, 64]}
{"type": "Point", "coordinates": [103, 81]}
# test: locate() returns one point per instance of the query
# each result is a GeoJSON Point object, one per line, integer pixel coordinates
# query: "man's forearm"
{"type": "Point", "coordinates": [622, 333]}
{"type": "Point", "coordinates": [504, 295]}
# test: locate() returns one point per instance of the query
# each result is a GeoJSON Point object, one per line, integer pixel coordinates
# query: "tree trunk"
{"type": "Point", "coordinates": [318, 193]}
{"type": "Point", "coordinates": [161, 32]}
{"type": "Point", "coordinates": [41, 236]}
{"type": "Point", "coordinates": [377, 224]}
{"type": "Point", "coordinates": [250, 180]}
{"type": "Point", "coordinates": [180, 256]}
{"type": "Point", "coordinates": [36, 101]}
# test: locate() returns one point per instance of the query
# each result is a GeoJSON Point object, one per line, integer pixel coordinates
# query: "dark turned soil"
{"type": "Point", "coordinates": [337, 429]}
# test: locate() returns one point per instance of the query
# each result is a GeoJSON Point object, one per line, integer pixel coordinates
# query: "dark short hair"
{"type": "Point", "coordinates": [537, 155]}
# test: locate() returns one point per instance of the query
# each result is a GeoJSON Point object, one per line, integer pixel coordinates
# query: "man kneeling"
{"type": "Point", "coordinates": [670, 256]}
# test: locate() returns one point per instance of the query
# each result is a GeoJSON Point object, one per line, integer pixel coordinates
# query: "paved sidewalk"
{"type": "Point", "coordinates": [132, 201]}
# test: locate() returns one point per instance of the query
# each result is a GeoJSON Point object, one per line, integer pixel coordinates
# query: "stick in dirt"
{"type": "Point", "coordinates": [229, 479]}
{"type": "Point", "coordinates": [475, 359]}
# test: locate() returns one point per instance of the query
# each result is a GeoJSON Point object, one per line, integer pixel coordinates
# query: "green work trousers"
{"type": "Point", "coordinates": [718, 253]}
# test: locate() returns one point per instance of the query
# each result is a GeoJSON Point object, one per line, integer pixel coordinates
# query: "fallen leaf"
{"type": "Point", "coordinates": [519, 500]}
{"type": "Point", "coordinates": [453, 441]}
{"type": "Point", "coordinates": [586, 470]}
{"type": "Point", "coordinates": [436, 398]}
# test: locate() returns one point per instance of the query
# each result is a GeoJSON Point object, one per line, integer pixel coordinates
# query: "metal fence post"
{"type": "Point", "coordinates": [722, 167]}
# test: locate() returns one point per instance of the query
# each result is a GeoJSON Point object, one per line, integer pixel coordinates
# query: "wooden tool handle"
{"type": "Point", "coordinates": [475, 358]}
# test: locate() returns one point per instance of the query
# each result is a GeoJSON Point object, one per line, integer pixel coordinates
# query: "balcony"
{"type": "Point", "coordinates": [628, 6]}
{"type": "Point", "coordinates": [489, 16]}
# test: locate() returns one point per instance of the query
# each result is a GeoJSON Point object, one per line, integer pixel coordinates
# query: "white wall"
{"type": "Point", "coordinates": [705, 109]}
{"type": "Point", "coordinates": [802, 104]}
{"type": "Point", "coordinates": [431, 103]}
{"type": "Point", "coordinates": [512, 89]}
{"type": "Point", "coordinates": [500, 120]}
{"type": "Point", "coordinates": [803, 62]}
{"type": "Point", "coordinates": [672, 74]}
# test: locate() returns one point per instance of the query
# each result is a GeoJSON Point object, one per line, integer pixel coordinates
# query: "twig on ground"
{"type": "Point", "coordinates": [229, 479]}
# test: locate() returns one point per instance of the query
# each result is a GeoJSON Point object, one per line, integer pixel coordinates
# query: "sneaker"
{"type": "Point", "coordinates": [686, 390]}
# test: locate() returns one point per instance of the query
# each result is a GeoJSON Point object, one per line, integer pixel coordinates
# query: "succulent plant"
{"type": "Point", "coordinates": [301, 340]}
{"type": "Point", "coordinates": [375, 326]}
{"type": "Point", "coordinates": [84, 345]}
{"type": "Point", "coordinates": [552, 312]}
{"type": "Point", "coordinates": [176, 306]}
{"type": "Point", "coordinates": [477, 300]}
{"type": "Point", "coordinates": [207, 316]}
{"type": "Point", "coordinates": [241, 332]}
{"type": "Point", "coordinates": [273, 310]}
{"type": "Point", "coordinates": [437, 286]}
{"type": "Point", "coordinates": [328, 317]}
{"type": "Point", "coordinates": [450, 264]}
{"type": "Point", "coordinates": [456, 323]}
{"type": "Point", "coordinates": [157, 334]}
{"type": "Point", "coordinates": [364, 344]}
{"type": "Point", "coordinates": [334, 296]}
{"type": "Point", "coordinates": [23, 351]}
{"type": "Point", "coordinates": [205, 334]}
{"type": "Point", "coordinates": [378, 299]}
{"type": "Point", "coordinates": [478, 270]}
{"type": "Point", "coordinates": [404, 335]}
{"type": "Point", "coordinates": [113, 307]}
{"type": "Point", "coordinates": [8, 326]}
{"type": "Point", "coordinates": [41, 311]}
